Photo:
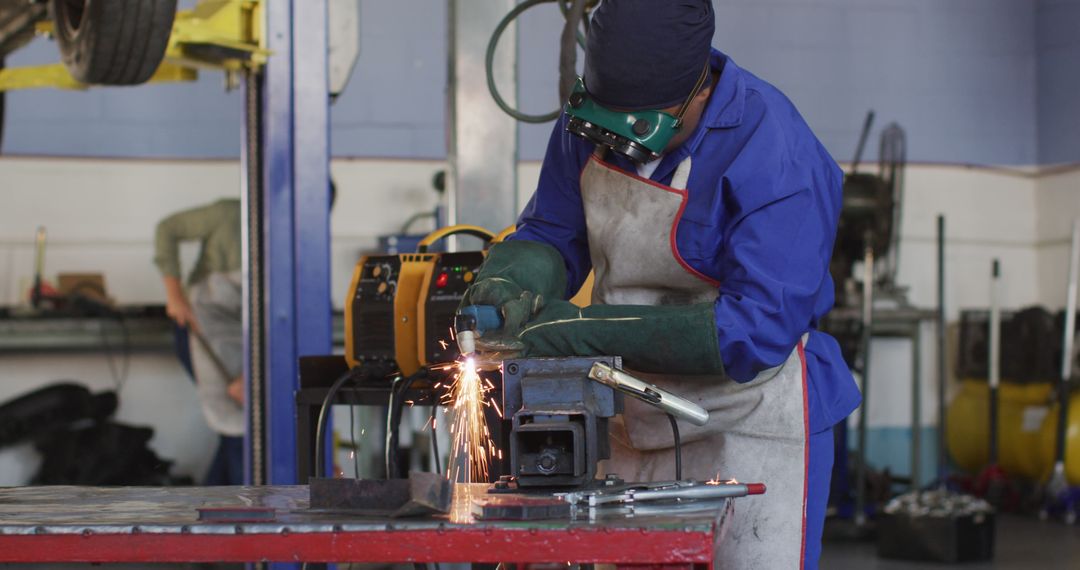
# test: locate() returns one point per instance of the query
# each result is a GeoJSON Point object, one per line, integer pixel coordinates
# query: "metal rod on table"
{"type": "Point", "coordinates": [994, 367]}
{"type": "Point", "coordinates": [941, 349]}
{"type": "Point", "coordinates": [867, 327]}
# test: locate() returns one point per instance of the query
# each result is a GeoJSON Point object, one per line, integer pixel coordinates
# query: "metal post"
{"type": "Point", "coordinates": [916, 407]}
{"type": "Point", "coordinates": [941, 350]}
{"type": "Point", "coordinates": [867, 336]}
{"type": "Point", "coordinates": [251, 198]}
{"type": "Point", "coordinates": [1057, 480]}
{"type": "Point", "coordinates": [290, 300]}
{"type": "Point", "coordinates": [994, 365]}
{"type": "Point", "coordinates": [483, 139]}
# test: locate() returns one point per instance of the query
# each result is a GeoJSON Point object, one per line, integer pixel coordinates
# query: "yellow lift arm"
{"type": "Point", "coordinates": [221, 35]}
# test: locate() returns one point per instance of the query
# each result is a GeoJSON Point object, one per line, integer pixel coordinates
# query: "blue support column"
{"type": "Point", "coordinates": [296, 220]}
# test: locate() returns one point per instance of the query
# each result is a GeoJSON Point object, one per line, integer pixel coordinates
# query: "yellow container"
{"type": "Point", "coordinates": [1022, 416]}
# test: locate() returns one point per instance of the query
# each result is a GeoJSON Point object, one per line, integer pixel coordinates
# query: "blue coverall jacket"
{"type": "Point", "coordinates": [764, 201]}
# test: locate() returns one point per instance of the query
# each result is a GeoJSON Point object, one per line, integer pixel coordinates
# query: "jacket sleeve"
{"type": "Point", "coordinates": [194, 224]}
{"type": "Point", "coordinates": [775, 261]}
{"type": "Point", "coordinates": [554, 214]}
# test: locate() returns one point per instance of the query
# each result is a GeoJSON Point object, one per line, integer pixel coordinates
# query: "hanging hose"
{"type": "Point", "coordinates": [574, 12]}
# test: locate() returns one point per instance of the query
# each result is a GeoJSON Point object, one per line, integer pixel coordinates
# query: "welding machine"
{"type": "Point", "coordinates": [400, 308]}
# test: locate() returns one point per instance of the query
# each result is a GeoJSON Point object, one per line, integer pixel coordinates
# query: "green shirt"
{"type": "Point", "coordinates": [216, 226]}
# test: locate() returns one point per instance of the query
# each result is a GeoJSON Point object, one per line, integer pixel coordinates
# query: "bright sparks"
{"type": "Point", "coordinates": [472, 448]}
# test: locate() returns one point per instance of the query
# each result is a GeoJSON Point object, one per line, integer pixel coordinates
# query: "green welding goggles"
{"type": "Point", "coordinates": [640, 136]}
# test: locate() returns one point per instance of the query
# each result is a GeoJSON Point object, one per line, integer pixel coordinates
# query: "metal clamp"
{"type": "Point", "coordinates": [649, 393]}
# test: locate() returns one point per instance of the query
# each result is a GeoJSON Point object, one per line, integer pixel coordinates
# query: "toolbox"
{"type": "Point", "coordinates": [963, 538]}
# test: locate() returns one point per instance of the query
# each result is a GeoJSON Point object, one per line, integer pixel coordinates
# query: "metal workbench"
{"type": "Point", "coordinates": [152, 524]}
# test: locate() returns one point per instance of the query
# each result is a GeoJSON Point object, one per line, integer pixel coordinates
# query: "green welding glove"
{"type": "Point", "coordinates": [519, 277]}
{"type": "Point", "coordinates": [676, 339]}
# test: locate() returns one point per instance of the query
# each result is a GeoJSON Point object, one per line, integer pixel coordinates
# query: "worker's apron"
{"type": "Point", "coordinates": [757, 431]}
{"type": "Point", "coordinates": [218, 305]}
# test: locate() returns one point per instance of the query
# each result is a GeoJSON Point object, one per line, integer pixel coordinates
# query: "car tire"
{"type": "Point", "coordinates": [113, 42]}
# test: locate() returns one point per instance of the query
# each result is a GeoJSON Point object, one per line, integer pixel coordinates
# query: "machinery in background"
{"type": "Point", "coordinates": [870, 219]}
{"type": "Point", "coordinates": [867, 233]}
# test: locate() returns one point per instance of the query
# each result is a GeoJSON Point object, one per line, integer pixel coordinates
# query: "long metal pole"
{"type": "Point", "coordinates": [867, 335]}
{"type": "Point", "coordinates": [941, 350]}
{"type": "Point", "coordinates": [1058, 481]}
{"type": "Point", "coordinates": [916, 407]}
{"type": "Point", "coordinates": [994, 368]}
{"type": "Point", "coordinates": [251, 199]}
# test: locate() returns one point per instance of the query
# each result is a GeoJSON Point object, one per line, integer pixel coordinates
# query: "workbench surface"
{"type": "Point", "coordinates": [161, 524]}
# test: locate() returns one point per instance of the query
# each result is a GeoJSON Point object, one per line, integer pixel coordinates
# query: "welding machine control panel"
{"type": "Point", "coordinates": [451, 275]}
{"type": "Point", "coordinates": [371, 309]}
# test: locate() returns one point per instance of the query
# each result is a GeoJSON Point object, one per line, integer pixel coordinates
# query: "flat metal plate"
{"type": "Point", "coordinates": [152, 524]}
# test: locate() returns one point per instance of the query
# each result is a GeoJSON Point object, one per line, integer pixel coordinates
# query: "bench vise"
{"type": "Point", "coordinates": [559, 419]}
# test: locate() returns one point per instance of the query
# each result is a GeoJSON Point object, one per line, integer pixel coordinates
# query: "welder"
{"type": "Point", "coordinates": [711, 259]}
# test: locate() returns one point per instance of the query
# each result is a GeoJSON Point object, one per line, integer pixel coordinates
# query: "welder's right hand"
{"type": "Point", "coordinates": [518, 277]}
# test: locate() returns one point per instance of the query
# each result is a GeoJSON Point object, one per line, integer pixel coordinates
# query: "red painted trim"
{"type": "Point", "coordinates": [675, 248]}
{"type": "Point", "coordinates": [806, 451]}
{"type": "Point", "coordinates": [675, 224]}
{"type": "Point", "coordinates": [609, 545]}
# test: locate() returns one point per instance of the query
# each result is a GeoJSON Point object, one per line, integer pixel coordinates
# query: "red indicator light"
{"type": "Point", "coordinates": [442, 280]}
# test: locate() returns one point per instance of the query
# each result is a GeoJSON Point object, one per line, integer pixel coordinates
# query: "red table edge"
{"type": "Point", "coordinates": [612, 546]}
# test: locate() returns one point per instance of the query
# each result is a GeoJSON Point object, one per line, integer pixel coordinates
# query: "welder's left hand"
{"type": "Point", "coordinates": [678, 339]}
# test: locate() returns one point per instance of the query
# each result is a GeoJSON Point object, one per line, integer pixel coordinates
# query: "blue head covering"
{"type": "Point", "coordinates": [647, 54]}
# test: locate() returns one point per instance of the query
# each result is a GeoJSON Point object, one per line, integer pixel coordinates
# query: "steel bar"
{"type": "Point", "coordinates": [1057, 480]}
{"type": "Point", "coordinates": [994, 365]}
{"type": "Point", "coordinates": [867, 336]}
{"type": "Point", "coordinates": [916, 408]}
{"type": "Point", "coordinates": [942, 379]}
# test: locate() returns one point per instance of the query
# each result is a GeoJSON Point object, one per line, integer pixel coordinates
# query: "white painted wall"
{"type": "Point", "coordinates": [1058, 206]}
{"type": "Point", "coordinates": [101, 214]}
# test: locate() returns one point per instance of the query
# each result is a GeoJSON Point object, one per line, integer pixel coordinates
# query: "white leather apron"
{"type": "Point", "coordinates": [757, 431]}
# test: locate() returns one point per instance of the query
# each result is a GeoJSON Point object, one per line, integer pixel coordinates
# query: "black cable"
{"type": "Point", "coordinates": [393, 419]}
{"type": "Point", "coordinates": [678, 447]}
{"type": "Point", "coordinates": [435, 441]}
{"type": "Point", "coordinates": [320, 431]}
{"type": "Point", "coordinates": [119, 376]}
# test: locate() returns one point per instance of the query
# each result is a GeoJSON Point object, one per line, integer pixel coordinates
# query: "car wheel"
{"type": "Point", "coordinates": [113, 42]}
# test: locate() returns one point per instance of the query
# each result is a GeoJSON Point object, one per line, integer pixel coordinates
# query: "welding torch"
{"type": "Point", "coordinates": [472, 322]}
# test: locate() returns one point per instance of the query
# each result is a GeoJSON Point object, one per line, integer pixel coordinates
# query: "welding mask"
{"type": "Point", "coordinates": [640, 136]}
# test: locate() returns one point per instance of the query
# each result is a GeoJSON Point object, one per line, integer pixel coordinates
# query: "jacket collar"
{"type": "Point", "coordinates": [725, 108]}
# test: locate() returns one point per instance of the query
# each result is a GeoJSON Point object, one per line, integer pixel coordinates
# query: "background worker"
{"type": "Point", "coordinates": [211, 310]}
{"type": "Point", "coordinates": [712, 271]}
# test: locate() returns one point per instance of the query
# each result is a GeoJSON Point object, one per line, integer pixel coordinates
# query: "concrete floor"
{"type": "Point", "coordinates": [1020, 543]}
